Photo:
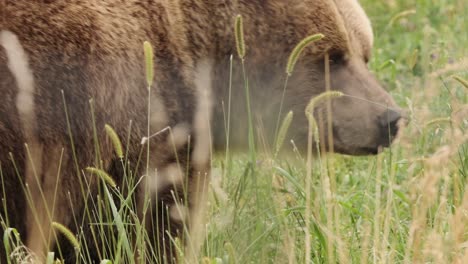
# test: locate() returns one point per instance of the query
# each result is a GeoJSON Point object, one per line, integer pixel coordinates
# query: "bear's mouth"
{"type": "Point", "coordinates": [371, 151]}
{"type": "Point", "coordinates": [338, 145]}
{"type": "Point", "coordinates": [360, 151]}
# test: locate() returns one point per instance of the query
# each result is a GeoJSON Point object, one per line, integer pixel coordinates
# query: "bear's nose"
{"type": "Point", "coordinates": [388, 122]}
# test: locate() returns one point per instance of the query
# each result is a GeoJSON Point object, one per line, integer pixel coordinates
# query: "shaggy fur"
{"type": "Point", "coordinates": [69, 66]}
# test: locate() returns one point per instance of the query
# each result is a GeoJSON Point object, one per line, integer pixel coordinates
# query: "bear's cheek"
{"type": "Point", "coordinates": [361, 118]}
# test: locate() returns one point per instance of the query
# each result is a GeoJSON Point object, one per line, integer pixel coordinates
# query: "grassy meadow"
{"type": "Point", "coordinates": [407, 205]}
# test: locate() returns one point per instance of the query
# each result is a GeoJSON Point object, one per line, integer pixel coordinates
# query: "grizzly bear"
{"type": "Point", "coordinates": [68, 67]}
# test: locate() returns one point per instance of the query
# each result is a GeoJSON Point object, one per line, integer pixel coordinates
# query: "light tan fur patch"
{"type": "Point", "coordinates": [171, 175]}
{"type": "Point", "coordinates": [179, 136]}
{"type": "Point", "coordinates": [178, 212]}
{"type": "Point", "coordinates": [203, 113]}
{"type": "Point", "coordinates": [201, 157]}
{"type": "Point", "coordinates": [38, 223]}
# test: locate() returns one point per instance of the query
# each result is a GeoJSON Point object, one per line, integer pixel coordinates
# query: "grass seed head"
{"type": "Point", "coordinates": [296, 53]}
{"type": "Point", "coordinates": [239, 33]}
{"type": "Point", "coordinates": [461, 80]}
{"type": "Point", "coordinates": [149, 56]}
{"type": "Point", "coordinates": [319, 98]}
{"type": "Point", "coordinates": [103, 175]}
{"type": "Point", "coordinates": [438, 121]}
{"type": "Point", "coordinates": [283, 130]}
{"type": "Point", "coordinates": [67, 233]}
{"type": "Point", "coordinates": [115, 140]}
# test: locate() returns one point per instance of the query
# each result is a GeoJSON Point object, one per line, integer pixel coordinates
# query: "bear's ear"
{"type": "Point", "coordinates": [357, 23]}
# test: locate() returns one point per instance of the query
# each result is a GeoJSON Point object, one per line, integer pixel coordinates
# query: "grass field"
{"type": "Point", "coordinates": [407, 205]}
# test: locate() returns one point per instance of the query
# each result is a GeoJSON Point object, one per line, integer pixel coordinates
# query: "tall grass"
{"type": "Point", "coordinates": [407, 205]}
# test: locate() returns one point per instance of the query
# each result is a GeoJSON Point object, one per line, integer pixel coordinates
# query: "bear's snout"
{"type": "Point", "coordinates": [389, 126]}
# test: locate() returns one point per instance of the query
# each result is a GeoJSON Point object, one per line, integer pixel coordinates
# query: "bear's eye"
{"type": "Point", "coordinates": [337, 58]}
{"type": "Point", "coordinates": [366, 59]}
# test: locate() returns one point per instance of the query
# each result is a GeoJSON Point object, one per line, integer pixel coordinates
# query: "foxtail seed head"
{"type": "Point", "coordinates": [283, 130]}
{"type": "Point", "coordinates": [438, 121]}
{"type": "Point", "coordinates": [149, 56]}
{"type": "Point", "coordinates": [296, 53]}
{"type": "Point", "coordinates": [316, 100]}
{"type": "Point", "coordinates": [67, 233]}
{"type": "Point", "coordinates": [461, 81]}
{"type": "Point", "coordinates": [239, 34]}
{"type": "Point", "coordinates": [103, 175]}
{"type": "Point", "coordinates": [115, 140]}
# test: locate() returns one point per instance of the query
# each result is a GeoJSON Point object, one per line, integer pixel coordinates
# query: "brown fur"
{"type": "Point", "coordinates": [79, 50]}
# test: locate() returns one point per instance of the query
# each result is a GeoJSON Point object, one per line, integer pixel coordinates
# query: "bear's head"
{"type": "Point", "coordinates": [363, 121]}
